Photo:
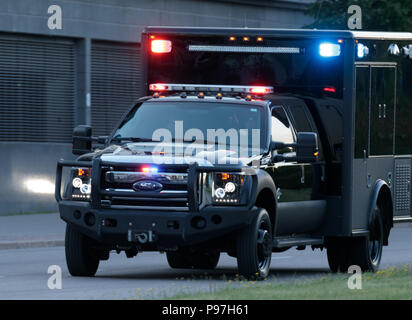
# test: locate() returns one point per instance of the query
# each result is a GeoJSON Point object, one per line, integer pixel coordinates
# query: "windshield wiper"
{"type": "Point", "coordinates": [133, 139]}
{"type": "Point", "coordinates": [193, 140]}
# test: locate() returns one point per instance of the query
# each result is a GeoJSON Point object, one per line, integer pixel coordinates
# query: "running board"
{"type": "Point", "coordinates": [283, 242]}
{"type": "Point", "coordinates": [402, 219]}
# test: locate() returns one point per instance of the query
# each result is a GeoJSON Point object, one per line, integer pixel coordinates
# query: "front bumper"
{"type": "Point", "coordinates": [165, 229]}
{"type": "Point", "coordinates": [159, 228]}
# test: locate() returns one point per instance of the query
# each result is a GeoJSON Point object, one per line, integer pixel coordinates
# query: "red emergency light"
{"type": "Point", "coordinates": [157, 87]}
{"type": "Point", "coordinates": [330, 89]}
{"type": "Point", "coordinates": [260, 90]}
{"type": "Point", "coordinates": [161, 46]}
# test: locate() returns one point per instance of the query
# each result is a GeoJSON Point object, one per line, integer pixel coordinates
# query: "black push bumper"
{"type": "Point", "coordinates": [159, 228]}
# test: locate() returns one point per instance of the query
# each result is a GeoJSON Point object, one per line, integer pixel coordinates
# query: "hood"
{"type": "Point", "coordinates": [175, 153]}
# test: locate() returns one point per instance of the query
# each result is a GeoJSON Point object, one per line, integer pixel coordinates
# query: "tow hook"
{"type": "Point", "coordinates": [141, 237]}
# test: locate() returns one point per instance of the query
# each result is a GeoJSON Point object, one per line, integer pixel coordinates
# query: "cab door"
{"type": "Point", "coordinates": [290, 179]}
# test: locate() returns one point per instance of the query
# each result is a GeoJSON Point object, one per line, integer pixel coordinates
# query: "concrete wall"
{"type": "Point", "coordinates": [28, 172]}
{"type": "Point", "coordinates": [124, 20]}
{"type": "Point", "coordinates": [28, 169]}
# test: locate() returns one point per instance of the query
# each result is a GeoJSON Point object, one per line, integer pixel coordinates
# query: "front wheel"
{"type": "Point", "coordinates": [254, 247]}
{"type": "Point", "coordinates": [80, 258]}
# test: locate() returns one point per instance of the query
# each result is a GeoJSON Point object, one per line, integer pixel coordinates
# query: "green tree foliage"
{"type": "Point", "coordinates": [377, 15]}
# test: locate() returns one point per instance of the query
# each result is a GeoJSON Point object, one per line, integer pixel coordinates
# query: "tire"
{"type": "Point", "coordinates": [178, 260]}
{"type": "Point", "coordinates": [197, 260]}
{"type": "Point", "coordinates": [337, 252]}
{"type": "Point", "coordinates": [206, 260]}
{"type": "Point", "coordinates": [254, 247]}
{"type": "Point", "coordinates": [80, 259]}
{"type": "Point", "coordinates": [365, 252]}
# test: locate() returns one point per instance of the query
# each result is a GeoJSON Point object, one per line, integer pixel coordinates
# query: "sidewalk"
{"type": "Point", "coordinates": [32, 230]}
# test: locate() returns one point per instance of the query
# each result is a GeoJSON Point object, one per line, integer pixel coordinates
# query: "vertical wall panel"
{"type": "Point", "coordinates": [37, 89]}
{"type": "Point", "coordinates": [115, 83]}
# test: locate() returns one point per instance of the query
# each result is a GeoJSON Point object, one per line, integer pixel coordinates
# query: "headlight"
{"type": "Point", "coordinates": [227, 188]}
{"type": "Point", "coordinates": [81, 181]}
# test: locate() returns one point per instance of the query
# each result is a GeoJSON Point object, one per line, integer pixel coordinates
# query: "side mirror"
{"type": "Point", "coordinates": [82, 140]}
{"type": "Point", "coordinates": [307, 147]}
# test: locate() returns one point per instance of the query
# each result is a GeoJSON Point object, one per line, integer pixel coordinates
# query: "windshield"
{"type": "Point", "coordinates": [225, 125]}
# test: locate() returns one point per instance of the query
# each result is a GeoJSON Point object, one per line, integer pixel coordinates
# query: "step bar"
{"type": "Point", "coordinates": [284, 242]}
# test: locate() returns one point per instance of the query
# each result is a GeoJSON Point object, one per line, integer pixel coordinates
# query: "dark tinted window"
{"type": "Point", "coordinates": [300, 118]}
{"type": "Point", "coordinates": [362, 111]}
{"type": "Point", "coordinates": [382, 110]}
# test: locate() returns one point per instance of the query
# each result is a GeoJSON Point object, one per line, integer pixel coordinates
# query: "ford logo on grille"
{"type": "Point", "coordinates": [147, 185]}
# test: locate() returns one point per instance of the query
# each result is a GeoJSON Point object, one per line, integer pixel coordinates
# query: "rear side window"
{"type": "Point", "coordinates": [281, 129]}
{"type": "Point", "coordinates": [300, 118]}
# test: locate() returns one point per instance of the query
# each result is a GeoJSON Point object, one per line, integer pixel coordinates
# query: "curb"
{"type": "Point", "coordinates": [4, 245]}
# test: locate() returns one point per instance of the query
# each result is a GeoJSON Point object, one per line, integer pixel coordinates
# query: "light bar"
{"type": "Point", "coordinates": [211, 88]}
{"type": "Point", "coordinates": [204, 48]}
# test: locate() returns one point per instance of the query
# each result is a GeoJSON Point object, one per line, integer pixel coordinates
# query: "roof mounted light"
{"type": "Point", "coordinates": [210, 88]}
{"type": "Point", "coordinates": [328, 49]}
{"type": "Point", "coordinates": [161, 46]}
{"type": "Point", "coordinates": [329, 89]}
{"type": "Point", "coordinates": [157, 87]}
{"type": "Point", "coordinates": [243, 49]}
{"type": "Point", "coordinates": [260, 90]}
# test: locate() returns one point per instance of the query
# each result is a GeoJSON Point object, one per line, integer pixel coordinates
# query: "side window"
{"type": "Point", "coordinates": [281, 129]}
{"type": "Point", "coordinates": [302, 123]}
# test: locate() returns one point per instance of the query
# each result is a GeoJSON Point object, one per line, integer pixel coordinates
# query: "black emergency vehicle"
{"type": "Point", "coordinates": [316, 151]}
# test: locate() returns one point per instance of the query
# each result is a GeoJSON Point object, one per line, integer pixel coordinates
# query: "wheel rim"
{"type": "Point", "coordinates": [264, 246]}
{"type": "Point", "coordinates": [375, 241]}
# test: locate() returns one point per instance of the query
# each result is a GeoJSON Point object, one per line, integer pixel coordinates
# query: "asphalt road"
{"type": "Point", "coordinates": [23, 272]}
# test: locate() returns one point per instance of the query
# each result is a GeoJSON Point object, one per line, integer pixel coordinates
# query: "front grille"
{"type": "Point", "coordinates": [117, 188]}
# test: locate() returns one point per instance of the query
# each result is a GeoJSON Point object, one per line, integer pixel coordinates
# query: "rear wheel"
{"type": "Point", "coordinates": [185, 259]}
{"type": "Point", "coordinates": [365, 252]}
{"type": "Point", "coordinates": [80, 258]}
{"type": "Point", "coordinates": [254, 247]}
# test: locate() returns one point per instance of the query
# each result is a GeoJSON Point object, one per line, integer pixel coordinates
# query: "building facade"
{"type": "Point", "coordinates": [70, 62]}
